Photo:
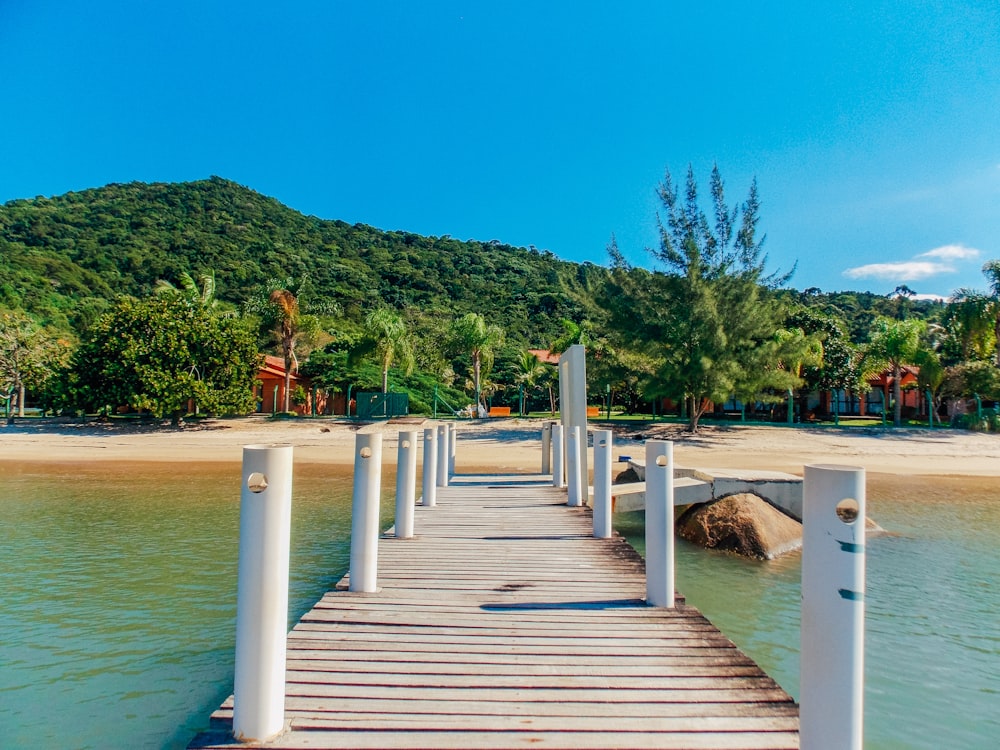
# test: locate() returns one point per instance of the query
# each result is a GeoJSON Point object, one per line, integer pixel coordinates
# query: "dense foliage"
{"type": "Point", "coordinates": [709, 326]}
{"type": "Point", "coordinates": [62, 259]}
{"type": "Point", "coordinates": [164, 356]}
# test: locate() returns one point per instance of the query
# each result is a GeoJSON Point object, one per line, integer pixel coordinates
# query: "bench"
{"type": "Point", "coordinates": [593, 411]}
{"type": "Point", "coordinates": [499, 411]}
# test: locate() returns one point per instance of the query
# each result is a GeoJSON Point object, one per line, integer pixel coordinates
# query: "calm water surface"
{"type": "Point", "coordinates": [932, 626]}
{"type": "Point", "coordinates": [118, 601]}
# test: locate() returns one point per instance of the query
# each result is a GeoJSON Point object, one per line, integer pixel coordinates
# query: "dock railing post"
{"type": "Point", "coordinates": [262, 592]}
{"type": "Point", "coordinates": [444, 447]}
{"type": "Point", "coordinates": [833, 608]}
{"type": "Point", "coordinates": [547, 448]}
{"type": "Point", "coordinates": [365, 512]}
{"type": "Point", "coordinates": [406, 483]}
{"type": "Point", "coordinates": [452, 445]}
{"type": "Point", "coordinates": [429, 497]}
{"type": "Point", "coordinates": [602, 484]}
{"type": "Point", "coordinates": [575, 495]}
{"type": "Point", "coordinates": [558, 454]}
{"type": "Point", "coordinates": [660, 523]}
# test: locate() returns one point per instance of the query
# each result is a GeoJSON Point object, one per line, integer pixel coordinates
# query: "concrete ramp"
{"type": "Point", "coordinates": [696, 485]}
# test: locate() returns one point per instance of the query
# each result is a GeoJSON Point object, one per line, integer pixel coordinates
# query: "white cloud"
{"type": "Point", "coordinates": [952, 252]}
{"type": "Point", "coordinates": [907, 270]}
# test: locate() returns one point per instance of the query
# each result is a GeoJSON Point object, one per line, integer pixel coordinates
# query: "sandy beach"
{"type": "Point", "coordinates": [510, 444]}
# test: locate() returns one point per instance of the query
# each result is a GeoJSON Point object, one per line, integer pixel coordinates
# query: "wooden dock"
{"type": "Point", "coordinates": [503, 623]}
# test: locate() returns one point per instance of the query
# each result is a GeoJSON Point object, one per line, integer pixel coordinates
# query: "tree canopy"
{"type": "Point", "coordinates": [160, 355]}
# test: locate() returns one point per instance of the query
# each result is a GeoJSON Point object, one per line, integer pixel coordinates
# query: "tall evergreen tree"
{"type": "Point", "coordinates": [708, 320]}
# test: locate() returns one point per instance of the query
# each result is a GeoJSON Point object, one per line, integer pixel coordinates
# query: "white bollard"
{"type": "Point", "coordinates": [574, 492]}
{"type": "Point", "coordinates": [443, 447]}
{"type": "Point", "coordinates": [558, 453]}
{"type": "Point", "coordinates": [406, 483]}
{"type": "Point", "coordinates": [833, 608]}
{"type": "Point", "coordinates": [262, 592]}
{"type": "Point", "coordinates": [430, 468]}
{"type": "Point", "coordinates": [452, 444]}
{"type": "Point", "coordinates": [602, 484]}
{"type": "Point", "coordinates": [546, 448]}
{"type": "Point", "coordinates": [660, 523]}
{"type": "Point", "coordinates": [365, 512]}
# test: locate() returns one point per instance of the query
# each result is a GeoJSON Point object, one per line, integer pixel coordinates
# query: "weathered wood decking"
{"type": "Point", "coordinates": [504, 623]}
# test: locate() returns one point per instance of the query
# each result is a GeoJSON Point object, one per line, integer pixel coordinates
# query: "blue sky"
{"type": "Point", "coordinates": [871, 127]}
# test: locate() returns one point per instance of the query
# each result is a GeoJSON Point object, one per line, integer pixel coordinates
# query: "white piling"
{"type": "Point", "coordinates": [452, 445]}
{"type": "Point", "coordinates": [546, 448]}
{"type": "Point", "coordinates": [833, 608]}
{"type": "Point", "coordinates": [406, 483]}
{"type": "Point", "coordinates": [573, 480]}
{"type": "Point", "coordinates": [430, 468]}
{"type": "Point", "coordinates": [262, 592]}
{"type": "Point", "coordinates": [558, 453]}
{"type": "Point", "coordinates": [443, 447]}
{"type": "Point", "coordinates": [365, 511]}
{"type": "Point", "coordinates": [602, 484]}
{"type": "Point", "coordinates": [660, 523]}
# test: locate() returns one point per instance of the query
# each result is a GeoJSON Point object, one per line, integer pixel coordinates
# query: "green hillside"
{"type": "Point", "coordinates": [63, 258]}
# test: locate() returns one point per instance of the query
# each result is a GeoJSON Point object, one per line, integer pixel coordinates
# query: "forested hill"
{"type": "Point", "coordinates": [62, 258]}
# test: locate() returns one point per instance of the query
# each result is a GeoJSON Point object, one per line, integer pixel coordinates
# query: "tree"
{"type": "Point", "coordinates": [992, 270]}
{"type": "Point", "coordinates": [894, 343]}
{"type": "Point", "coordinates": [387, 337]}
{"type": "Point", "coordinates": [160, 354]}
{"type": "Point", "coordinates": [30, 356]}
{"type": "Point", "coordinates": [473, 335]}
{"type": "Point", "coordinates": [530, 369]}
{"type": "Point", "coordinates": [708, 321]}
{"type": "Point", "coordinates": [970, 322]}
{"type": "Point", "coordinates": [188, 290]}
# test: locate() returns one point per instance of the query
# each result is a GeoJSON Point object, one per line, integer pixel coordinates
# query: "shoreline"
{"type": "Point", "coordinates": [509, 444]}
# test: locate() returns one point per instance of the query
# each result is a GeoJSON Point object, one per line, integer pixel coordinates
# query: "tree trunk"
{"type": "Point", "coordinates": [475, 379]}
{"type": "Point", "coordinates": [695, 410]}
{"type": "Point", "coordinates": [552, 400]}
{"type": "Point", "coordinates": [20, 399]}
{"type": "Point", "coordinates": [286, 399]}
{"type": "Point", "coordinates": [385, 380]}
{"type": "Point", "coordinates": [897, 392]}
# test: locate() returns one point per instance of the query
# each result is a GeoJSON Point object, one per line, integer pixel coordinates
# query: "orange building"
{"type": "Point", "coordinates": [270, 390]}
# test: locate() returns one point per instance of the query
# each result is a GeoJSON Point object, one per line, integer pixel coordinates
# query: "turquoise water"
{"type": "Point", "coordinates": [118, 605]}
{"type": "Point", "coordinates": [932, 625]}
{"type": "Point", "coordinates": [119, 595]}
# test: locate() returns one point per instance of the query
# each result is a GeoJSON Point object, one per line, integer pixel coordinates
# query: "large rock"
{"type": "Point", "coordinates": [744, 524]}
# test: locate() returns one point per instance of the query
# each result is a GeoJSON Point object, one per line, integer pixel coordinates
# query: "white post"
{"type": "Point", "coordinates": [833, 608]}
{"type": "Point", "coordinates": [452, 444]}
{"type": "Point", "coordinates": [573, 403]}
{"type": "Point", "coordinates": [262, 592]}
{"type": "Point", "coordinates": [365, 511]}
{"type": "Point", "coordinates": [430, 467]}
{"type": "Point", "coordinates": [660, 523]}
{"type": "Point", "coordinates": [602, 484]}
{"type": "Point", "coordinates": [546, 448]}
{"type": "Point", "coordinates": [406, 483]}
{"type": "Point", "coordinates": [558, 473]}
{"type": "Point", "coordinates": [443, 446]}
{"type": "Point", "coordinates": [575, 493]}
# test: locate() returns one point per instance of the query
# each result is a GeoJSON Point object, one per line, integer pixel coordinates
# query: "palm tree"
{"type": "Point", "coordinates": [286, 330]}
{"type": "Point", "coordinates": [529, 370]}
{"type": "Point", "coordinates": [992, 271]}
{"type": "Point", "coordinates": [970, 321]}
{"type": "Point", "coordinates": [894, 343]}
{"type": "Point", "coordinates": [472, 334]}
{"type": "Point", "coordinates": [188, 289]}
{"type": "Point", "coordinates": [388, 338]}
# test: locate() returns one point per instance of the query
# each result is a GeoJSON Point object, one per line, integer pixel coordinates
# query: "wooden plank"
{"type": "Point", "coordinates": [504, 623]}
